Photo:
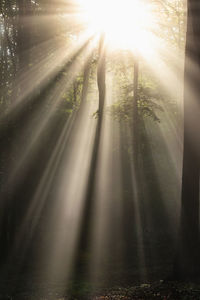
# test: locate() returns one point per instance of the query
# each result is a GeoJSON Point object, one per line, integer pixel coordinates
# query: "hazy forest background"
{"type": "Point", "coordinates": [99, 165]}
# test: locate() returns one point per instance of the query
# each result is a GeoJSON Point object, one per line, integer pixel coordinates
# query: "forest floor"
{"type": "Point", "coordinates": [160, 290]}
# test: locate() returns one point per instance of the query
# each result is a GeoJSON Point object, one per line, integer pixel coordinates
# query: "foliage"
{"type": "Point", "coordinates": [149, 102]}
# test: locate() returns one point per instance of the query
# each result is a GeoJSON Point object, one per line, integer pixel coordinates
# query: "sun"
{"type": "Point", "coordinates": [127, 24]}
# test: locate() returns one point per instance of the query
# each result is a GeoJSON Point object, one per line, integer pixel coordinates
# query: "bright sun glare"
{"type": "Point", "coordinates": [126, 23]}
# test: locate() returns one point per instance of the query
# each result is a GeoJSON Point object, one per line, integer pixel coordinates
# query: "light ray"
{"type": "Point", "coordinates": [48, 67]}
{"type": "Point", "coordinates": [54, 99]}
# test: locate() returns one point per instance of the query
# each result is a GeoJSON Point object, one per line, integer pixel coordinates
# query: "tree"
{"type": "Point", "coordinates": [135, 113]}
{"type": "Point", "coordinates": [84, 236]}
{"type": "Point", "coordinates": [187, 258]}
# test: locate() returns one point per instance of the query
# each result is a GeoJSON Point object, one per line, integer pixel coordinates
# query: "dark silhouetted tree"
{"type": "Point", "coordinates": [187, 258]}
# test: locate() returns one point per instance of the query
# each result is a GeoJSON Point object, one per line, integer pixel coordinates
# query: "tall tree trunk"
{"type": "Point", "coordinates": [84, 238]}
{"type": "Point", "coordinates": [135, 132]}
{"type": "Point", "coordinates": [101, 76]}
{"type": "Point", "coordinates": [187, 258]}
{"type": "Point", "coordinates": [86, 78]}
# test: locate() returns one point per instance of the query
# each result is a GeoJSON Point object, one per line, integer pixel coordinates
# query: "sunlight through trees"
{"type": "Point", "coordinates": [99, 147]}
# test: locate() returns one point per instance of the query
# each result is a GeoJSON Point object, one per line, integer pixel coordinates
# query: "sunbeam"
{"type": "Point", "coordinates": [99, 148]}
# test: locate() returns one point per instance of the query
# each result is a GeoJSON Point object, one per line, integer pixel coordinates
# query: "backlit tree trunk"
{"type": "Point", "coordinates": [187, 259]}
{"type": "Point", "coordinates": [135, 112]}
{"type": "Point", "coordinates": [84, 238]}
